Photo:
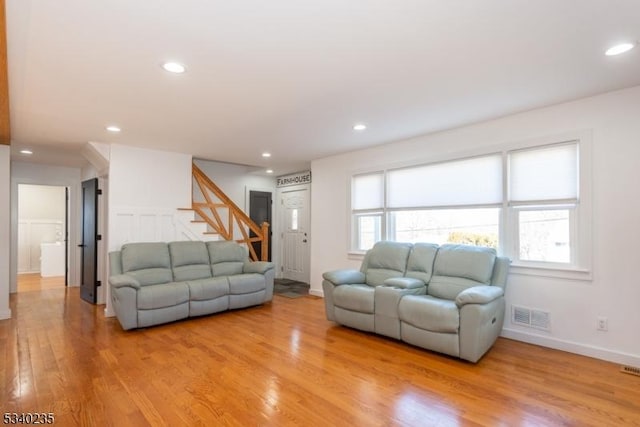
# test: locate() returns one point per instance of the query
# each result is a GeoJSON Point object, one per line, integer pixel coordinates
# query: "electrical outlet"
{"type": "Point", "coordinates": [603, 323]}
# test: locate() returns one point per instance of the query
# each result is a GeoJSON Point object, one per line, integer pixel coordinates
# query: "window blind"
{"type": "Point", "coordinates": [472, 181]}
{"type": "Point", "coordinates": [367, 191]}
{"type": "Point", "coordinates": [544, 174]}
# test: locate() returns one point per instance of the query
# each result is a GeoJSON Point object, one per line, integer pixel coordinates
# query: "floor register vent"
{"type": "Point", "coordinates": [630, 370]}
{"type": "Point", "coordinates": [531, 318]}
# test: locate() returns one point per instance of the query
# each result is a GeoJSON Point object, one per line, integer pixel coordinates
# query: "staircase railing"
{"type": "Point", "coordinates": [226, 218]}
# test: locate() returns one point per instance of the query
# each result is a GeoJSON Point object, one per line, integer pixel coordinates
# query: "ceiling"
{"type": "Point", "coordinates": [292, 77]}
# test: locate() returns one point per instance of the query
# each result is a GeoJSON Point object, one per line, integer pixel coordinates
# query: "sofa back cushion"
{"type": "Point", "coordinates": [226, 257]}
{"type": "Point", "coordinates": [458, 267]}
{"type": "Point", "coordinates": [189, 260]}
{"type": "Point", "coordinates": [149, 263]}
{"type": "Point", "coordinates": [385, 260]}
{"type": "Point", "coordinates": [420, 262]}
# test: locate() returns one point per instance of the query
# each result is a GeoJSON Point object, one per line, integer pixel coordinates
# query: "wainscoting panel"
{"type": "Point", "coordinates": [153, 225]}
{"type": "Point", "coordinates": [31, 233]}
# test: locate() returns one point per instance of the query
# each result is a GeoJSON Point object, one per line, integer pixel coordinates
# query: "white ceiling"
{"type": "Point", "coordinates": [293, 76]}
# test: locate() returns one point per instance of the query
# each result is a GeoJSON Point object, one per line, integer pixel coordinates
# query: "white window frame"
{"type": "Point", "coordinates": [580, 213]}
{"type": "Point", "coordinates": [579, 268]}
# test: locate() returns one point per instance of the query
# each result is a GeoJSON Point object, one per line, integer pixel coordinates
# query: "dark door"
{"type": "Point", "coordinates": [66, 236]}
{"type": "Point", "coordinates": [89, 246]}
{"type": "Point", "coordinates": [259, 212]}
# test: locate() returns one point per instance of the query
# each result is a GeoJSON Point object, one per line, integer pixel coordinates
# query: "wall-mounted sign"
{"type": "Point", "coordinates": [294, 179]}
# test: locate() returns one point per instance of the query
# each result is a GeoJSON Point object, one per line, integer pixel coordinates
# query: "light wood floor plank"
{"type": "Point", "coordinates": [283, 363]}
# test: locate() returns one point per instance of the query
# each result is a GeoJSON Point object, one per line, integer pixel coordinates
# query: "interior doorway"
{"type": "Point", "coordinates": [43, 224]}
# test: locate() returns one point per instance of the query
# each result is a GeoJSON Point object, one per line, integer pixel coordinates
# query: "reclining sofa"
{"type": "Point", "coordinates": [154, 283]}
{"type": "Point", "coordinates": [449, 298]}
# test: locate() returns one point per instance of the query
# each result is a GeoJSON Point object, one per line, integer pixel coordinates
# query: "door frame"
{"type": "Point", "coordinates": [65, 223]}
{"type": "Point", "coordinates": [279, 217]}
{"type": "Point", "coordinates": [46, 175]}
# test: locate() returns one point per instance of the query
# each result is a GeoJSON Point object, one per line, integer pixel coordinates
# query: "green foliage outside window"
{"type": "Point", "coordinates": [467, 238]}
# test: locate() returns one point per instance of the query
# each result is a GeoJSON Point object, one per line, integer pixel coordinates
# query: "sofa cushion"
{"type": "Point", "coordinates": [149, 263]}
{"type": "Point", "coordinates": [358, 298]}
{"type": "Point", "coordinates": [469, 262]}
{"type": "Point", "coordinates": [385, 260]}
{"type": "Point", "coordinates": [246, 283]}
{"type": "Point", "coordinates": [447, 287]}
{"type": "Point", "coordinates": [209, 288]}
{"type": "Point", "coordinates": [141, 255]}
{"type": "Point", "coordinates": [164, 295]}
{"type": "Point", "coordinates": [428, 313]}
{"type": "Point", "coordinates": [420, 262]}
{"type": "Point", "coordinates": [189, 260]}
{"type": "Point", "coordinates": [226, 257]}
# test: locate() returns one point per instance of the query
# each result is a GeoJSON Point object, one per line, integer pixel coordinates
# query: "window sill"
{"type": "Point", "coordinates": [356, 255]}
{"type": "Point", "coordinates": [566, 273]}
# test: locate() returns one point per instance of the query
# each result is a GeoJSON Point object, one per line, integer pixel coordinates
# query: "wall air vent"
{"type": "Point", "coordinates": [530, 318]}
{"type": "Point", "coordinates": [521, 316]}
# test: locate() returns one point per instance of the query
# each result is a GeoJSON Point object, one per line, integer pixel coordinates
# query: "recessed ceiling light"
{"type": "Point", "coordinates": [265, 154]}
{"type": "Point", "coordinates": [27, 152]}
{"type": "Point", "coordinates": [269, 171]}
{"type": "Point", "coordinates": [174, 67]}
{"type": "Point", "coordinates": [359, 127]}
{"type": "Point", "coordinates": [619, 48]}
{"type": "Point", "coordinates": [114, 129]}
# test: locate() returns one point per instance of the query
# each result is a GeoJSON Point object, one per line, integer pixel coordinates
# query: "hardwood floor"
{"type": "Point", "coordinates": [284, 364]}
{"type": "Point", "coordinates": [30, 282]}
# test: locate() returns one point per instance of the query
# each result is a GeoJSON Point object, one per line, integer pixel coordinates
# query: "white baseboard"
{"type": "Point", "coordinates": [317, 293]}
{"type": "Point", "coordinates": [5, 314]}
{"type": "Point", "coordinates": [573, 347]}
{"type": "Point", "coordinates": [108, 312]}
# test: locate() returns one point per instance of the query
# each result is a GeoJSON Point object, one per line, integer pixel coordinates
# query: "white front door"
{"type": "Point", "coordinates": [295, 235]}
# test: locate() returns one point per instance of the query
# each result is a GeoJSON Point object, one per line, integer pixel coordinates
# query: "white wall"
{"type": "Point", "coordinates": [5, 220]}
{"type": "Point", "coordinates": [146, 188]}
{"type": "Point", "coordinates": [614, 292]}
{"type": "Point", "coordinates": [149, 178]}
{"type": "Point", "coordinates": [41, 217]}
{"type": "Point", "coordinates": [41, 202]}
{"type": "Point", "coordinates": [37, 174]}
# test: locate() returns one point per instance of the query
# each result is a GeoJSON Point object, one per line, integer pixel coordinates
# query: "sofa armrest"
{"type": "Point", "coordinates": [344, 277]}
{"type": "Point", "coordinates": [123, 280]}
{"type": "Point", "coordinates": [404, 282]}
{"type": "Point", "coordinates": [479, 295]}
{"type": "Point", "coordinates": [260, 267]}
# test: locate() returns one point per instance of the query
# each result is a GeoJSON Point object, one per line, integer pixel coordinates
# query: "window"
{"type": "Point", "coordinates": [543, 196]}
{"type": "Point", "coordinates": [367, 202]}
{"type": "Point", "coordinates": [475, 226]}
{"type": "Point", "coordinates": [430, 203]}
{"type": "Point", "coordinates": [523, 201]}
{"type": "Point", "coordinates": [369, 231]}
{"type": "Point", "coordinates": [544, 235]}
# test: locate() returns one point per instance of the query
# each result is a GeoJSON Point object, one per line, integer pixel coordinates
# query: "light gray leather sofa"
{"type": "Point", "coordinates": [153, 283]}
{"type": "Point", "coordinates": [448, 298]}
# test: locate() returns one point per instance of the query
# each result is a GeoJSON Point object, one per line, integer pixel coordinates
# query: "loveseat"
{"type": "Point", "coordinates": [448, 298]}
{"type": "Point", "coordinates": [153, 283]}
